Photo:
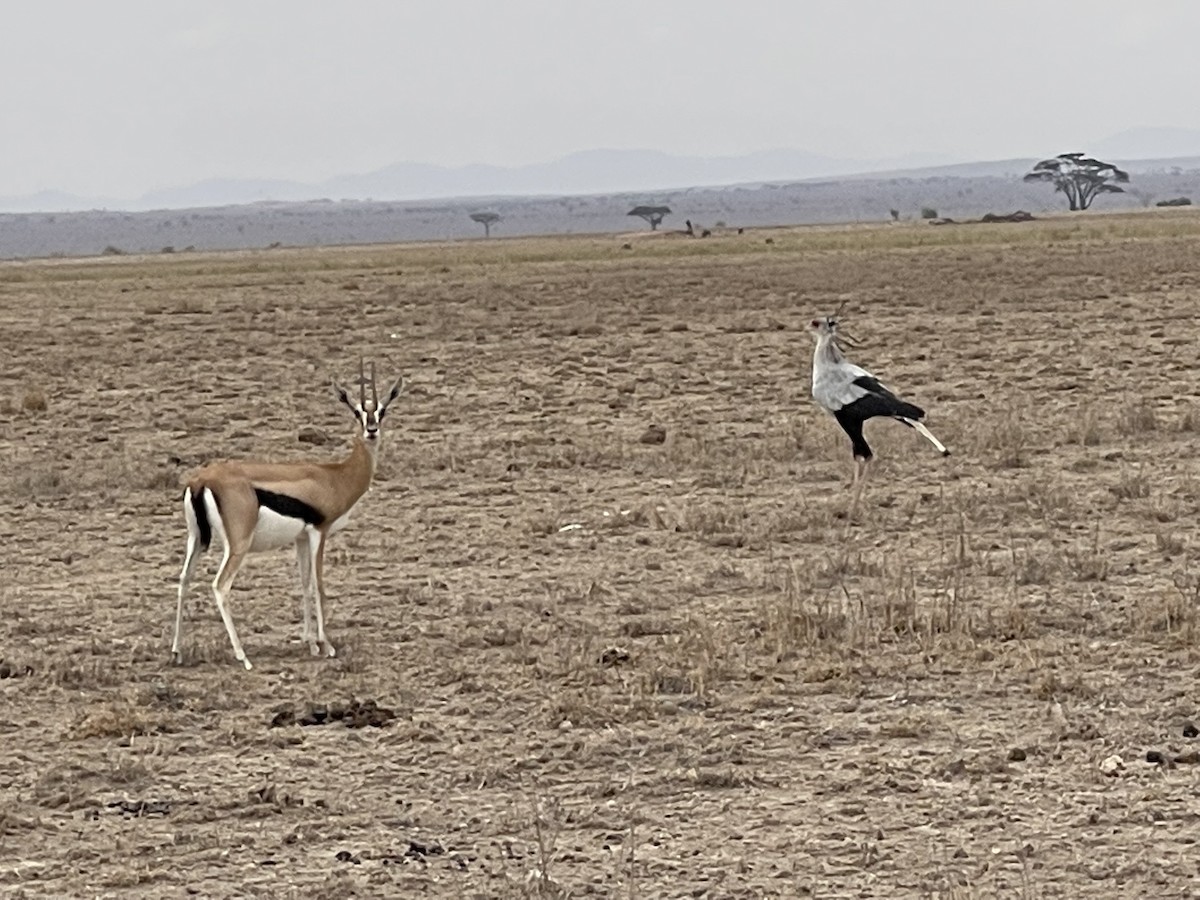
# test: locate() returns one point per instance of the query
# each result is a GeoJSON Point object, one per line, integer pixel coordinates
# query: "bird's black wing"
{"type": "Point", "coordinates": [879, 401]}
{"type": "Point", "coordinates": [872, 385]}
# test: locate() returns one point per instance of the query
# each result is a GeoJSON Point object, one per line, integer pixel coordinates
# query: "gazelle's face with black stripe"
{"type": "Point", "coordinates": [369, 411]}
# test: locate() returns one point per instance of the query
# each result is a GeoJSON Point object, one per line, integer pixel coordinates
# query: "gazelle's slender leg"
{"type": "Point", "coordinates": [304, 565]}
{"type": "Point", "coordinates": [185, 577]}
{"type": "Point", "coordinates": [317, 548]}
{"type": "Point", "coordinates": [221, 585]}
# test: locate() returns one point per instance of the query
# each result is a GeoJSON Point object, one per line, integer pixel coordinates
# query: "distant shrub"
{"type": "Point", "coordinates": [895, 213]}
{"type": "Point", "coordinates": [167, 249]}
{"type": "Point", "coordinates": [1178, 201]}
{"type": "Point", "coordinates": [110, 250]}
{"type": "Point", "coordinates": [928, 212]}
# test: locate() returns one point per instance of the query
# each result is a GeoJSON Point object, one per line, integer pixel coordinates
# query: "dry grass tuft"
{"type": "Point", "coordinates": [39, 480]}
{"type": "Point", "coordinates": [1133, 484]}
{"type": "Point", "coordinates": [119, 719]}
{"type": "Point", "coordinates": [1137, 417]}
{"type": "Point", "coordinates": [1090, 562]}
{"type": "Point", "coordinates": [1050, 685]}
{"type": "Point", "coordinates": [1033, 566]}
{"type": "Point", "coordinates": [35, 401]}
{"type": "Point", "coordinates": [1086, 429]}
{"type": "Point", "coordinates": [1169, 543]}
{"type": "Point", "coordinates": [1006, 440]}
{"type": "Point", "coordinates": [1189, 419]}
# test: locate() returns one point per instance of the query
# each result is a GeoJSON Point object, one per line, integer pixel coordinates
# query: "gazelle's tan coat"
{"type": "Point", "coordinates": [256, 506]}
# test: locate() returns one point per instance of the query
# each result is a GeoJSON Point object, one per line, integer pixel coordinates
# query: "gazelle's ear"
{"type": "Point", "coordinates": [343, 395]}
{"type": "Point", "coordinates": [393, 392]}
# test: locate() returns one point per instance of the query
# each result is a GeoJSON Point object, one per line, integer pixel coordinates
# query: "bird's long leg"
{"type": "Point", "coordinates": [860, 479]}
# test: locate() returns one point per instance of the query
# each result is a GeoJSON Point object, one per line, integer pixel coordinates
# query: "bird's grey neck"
{"type": "Point", "coordinates": [828, 351]}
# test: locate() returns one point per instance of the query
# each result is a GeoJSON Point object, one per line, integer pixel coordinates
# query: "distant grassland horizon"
{"type": "Point", "coordinates": [331, 223]}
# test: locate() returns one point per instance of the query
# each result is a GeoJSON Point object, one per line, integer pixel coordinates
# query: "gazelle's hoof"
{"type": "Point", "coordinates": [314, 648]}
{"type": "Point", "coordinates": [177, 657]}
{"type": "Point", "coordinates": [329, 651]}
{"type": "Point", "coordinates": [246, 663]}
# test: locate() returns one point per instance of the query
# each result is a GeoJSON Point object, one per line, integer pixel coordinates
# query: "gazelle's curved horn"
{"type": "Point", "coordinates": [362, 384]}
{"type": "Point", "coordinates": [374, 391]}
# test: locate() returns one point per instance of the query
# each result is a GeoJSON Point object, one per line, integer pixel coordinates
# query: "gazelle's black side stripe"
{"type": "Point", "coordinates": [289, 506]}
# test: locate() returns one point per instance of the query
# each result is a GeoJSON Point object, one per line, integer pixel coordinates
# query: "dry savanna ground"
{"type": "Point", "coordinates": [616, 668]}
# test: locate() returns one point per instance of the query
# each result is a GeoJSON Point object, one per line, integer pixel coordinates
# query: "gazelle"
{"type": "Point", "coordinates": [257, 506]}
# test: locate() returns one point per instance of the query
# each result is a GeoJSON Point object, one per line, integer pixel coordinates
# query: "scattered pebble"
{"type": "Point", "coordinates": [654, 434]}
{"type": "Point", "coordinates": [614, 656]}
{"type": "Point", "coordinates": [1112, 765]}
{"type": "Point", "coordinates": [1190, 730]}
{"type": "Point", "coordinates": [311, 435]}
{"type": "Point", "coordinates": [12, 670]}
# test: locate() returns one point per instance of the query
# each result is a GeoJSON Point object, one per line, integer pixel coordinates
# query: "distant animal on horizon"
{"type": "Point", "coordinates": [853, 395]}
{"type": "Point", "coordinates": [257, 506]}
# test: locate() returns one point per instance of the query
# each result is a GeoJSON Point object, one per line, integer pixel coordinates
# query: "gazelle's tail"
{"type": "Point", "coordinates": [194, 497]}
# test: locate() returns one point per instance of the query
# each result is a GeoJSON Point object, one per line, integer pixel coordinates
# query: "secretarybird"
{"type": "Point", "coordinates": [854, 395]}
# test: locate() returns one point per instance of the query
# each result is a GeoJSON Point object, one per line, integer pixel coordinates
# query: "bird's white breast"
{"type": "Point", "coordinates": [833, 385]}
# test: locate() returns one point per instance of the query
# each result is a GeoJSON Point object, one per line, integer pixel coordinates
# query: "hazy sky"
{"type": "Point", "coordinates": [116, 98]}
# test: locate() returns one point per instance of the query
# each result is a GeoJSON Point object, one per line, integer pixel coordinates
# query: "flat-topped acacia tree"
{"type": "Point", "coordinates": [652, 214]}
{"type": "Point", "coordinates": [1080, 177]}
{"type": "Point", "coordinates": [487, 220]}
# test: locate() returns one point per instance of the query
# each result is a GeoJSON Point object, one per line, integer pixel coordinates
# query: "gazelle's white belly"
{"type": "Point", "coordinates": [273, 531]}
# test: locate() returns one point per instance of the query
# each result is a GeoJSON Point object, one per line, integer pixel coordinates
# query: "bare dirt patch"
{"type": "Point", "coordinates": [616, 666]}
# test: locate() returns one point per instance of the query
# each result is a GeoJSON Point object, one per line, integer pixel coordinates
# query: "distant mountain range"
{"type": "Point", "coordinates": [613, 171]}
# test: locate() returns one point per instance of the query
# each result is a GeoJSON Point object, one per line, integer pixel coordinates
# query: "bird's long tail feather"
{"type": "Point", "coordinates": [927, 434]}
